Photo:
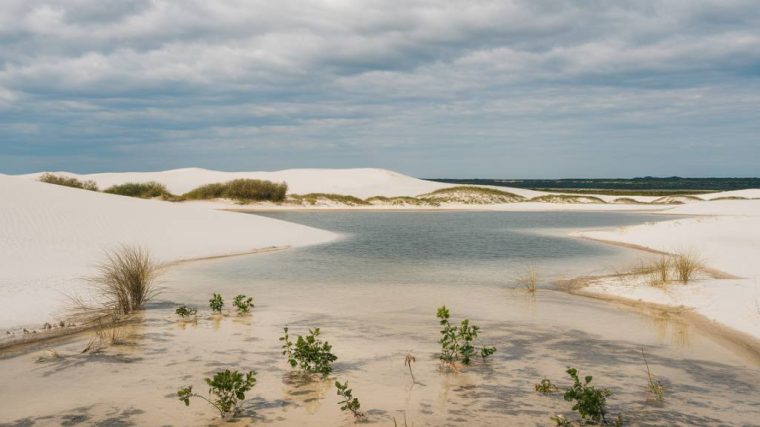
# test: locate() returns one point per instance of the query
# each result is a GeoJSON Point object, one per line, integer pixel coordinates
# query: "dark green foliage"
{"type": "Point", "coordinates": [144, 190]}
{"type": "Point", "coordinates": [184, 311]}
{"type": "Point", "coordinates": [457, 343]}
{"type": "Point", "coordinates": [590, 402]}
{"type": "Point", "coordinates": [243, 304]}
{"type": "Point", "coordinates": [68, 182]}
{"type": "Point", "coordinates": [242, 190]}
{"type": "Point", "coordinates": [309, 354]}
{"type": "Point", "coordinates": [226, 389]}
{"type": "Point", "coordinates": [216, 303]}
{"type": "Point", "coordinates": [348, 401]}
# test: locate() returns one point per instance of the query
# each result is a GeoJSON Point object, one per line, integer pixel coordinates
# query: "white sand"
{"type": "Point", "coordinates": [729, 241]}
{"type": "Point", "coordinates": [50, 237]}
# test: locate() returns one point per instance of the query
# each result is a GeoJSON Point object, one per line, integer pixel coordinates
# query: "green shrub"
{"type": "Point", "coordinates": [68, 182]}
{"type": "Point", "coordinates": [348, 401]}
{"type": "Point", "coordinates": [309, 354]}
{"type": "Point", "coordinates": [457, 343]}
{"type": "Point", "coordinates": [546, 386]}
{"type": "Point", "coordinates": [144, 190]}
{"type": "Point", "coordinates": [243, 190]}
{"type": "Point", "coordinates": [243, 304]}
{"type": "Point", "coordinates": [590, 402]}
{"type": "Point", "coordinates": [184, 311]}
{"type": "Point", "coordinates": [226, 389]}
{"type": "Point", "coordinates": [216, 303]}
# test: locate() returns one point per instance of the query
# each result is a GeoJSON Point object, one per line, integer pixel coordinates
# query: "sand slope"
{"type": "Point", "coordinates": [50, 236]}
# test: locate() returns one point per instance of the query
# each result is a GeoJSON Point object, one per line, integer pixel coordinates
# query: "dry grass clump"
{"type": "Point", "coordinates": [68, 182]}
{"type": "Point", "coordinates": [317, 198]}
{"type": "Point", "coordinates": [529, 279]}
{"type": "Point", "coordinates": [242, 190]}
{"type": "Point", "coordinates": [126, 279]}
{"type": "Point", "coordinates": [658, 270]}
{"type": "Point", "coordinates": [686, 265]}
{"type": "Point", "coordinates": [144, 190]}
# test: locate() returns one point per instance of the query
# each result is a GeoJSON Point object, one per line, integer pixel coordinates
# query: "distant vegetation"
{"type": "Point", "coordinates": [314, 199]}
{"type": "Point", "coordinates": [646, 186]}
{"type": "Point", "coordinates": [471, 195]}
{"type": "Point", "coordinates": [563, 198]}
{"type": "Point", "coordinates": [143, 190]}
{"type": "Point", "coordinates": [68, 182]}
{"type": "Point", "coordinates": [243, 190]}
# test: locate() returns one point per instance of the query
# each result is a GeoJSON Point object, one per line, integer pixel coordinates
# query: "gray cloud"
{"type": "Point", "coordinates": [434, 88]}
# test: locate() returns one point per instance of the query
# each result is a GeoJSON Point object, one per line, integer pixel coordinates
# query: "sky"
{"type": "Point", "coordinates": [489, 89]}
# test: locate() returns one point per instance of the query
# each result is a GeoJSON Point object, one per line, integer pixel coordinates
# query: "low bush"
{"type": "Point", "coordinates": [226, 389]}
{"type": "Point", "coordinates": [348, 402]}
{"type": "Point", "coordinates": [314, 199]}
{"type": "Point", "coordinates": [243, 304]}
{"type": "Point", "coordinates": [457, 343]}
{"type": "Point", "coordinates": [143, 190]}
{"type": "Point", "coordinates": [216, 303]}
{"type": "Point", "coordinates": [184, 311]}
{"type": "Point", "coordinates": [68, 182]}
{"type": "Point", "coordinates": [590, 402]}
{"type": "Point", "coordinates": [546, 386]}
{"type": "Point", "coordinates": [242, 190]}
{"type": "Point", "coordinates": [309, 354]}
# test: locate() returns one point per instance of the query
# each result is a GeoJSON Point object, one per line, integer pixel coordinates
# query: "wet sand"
{"type": "Point", "coordinates": [371, 328]}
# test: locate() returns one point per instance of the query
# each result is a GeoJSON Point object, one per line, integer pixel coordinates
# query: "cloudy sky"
{"type": "Point", "coordinates": [534, 88]}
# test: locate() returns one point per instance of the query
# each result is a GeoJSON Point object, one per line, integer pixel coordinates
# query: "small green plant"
{"type": "Point", "coordinates": [348, 402]}
{"type": "Point", "coordinates": [243, 304]}
{"type": "Point", "coordinates": [309, 354]}
{"type": "Point", "coordinates": [226, 389]}
{"type": "Point", "coordinates": [457, 343]}
{"type": "Point", "coordinates": [655, 386]}
{"type": "Point", "coordinates": [546, 386]}
{"type": "Point", "coordinates": [216, 303]}
{"type": "Point", "coordinates": [590, 402]}
{"type": "Point", "coordinates": [184, 311]}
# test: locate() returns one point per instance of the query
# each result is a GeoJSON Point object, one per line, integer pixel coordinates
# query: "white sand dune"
{"type": "Point", "coordinates": [727, 238]}
{"type": "Point", "coordinates": [50, 237]}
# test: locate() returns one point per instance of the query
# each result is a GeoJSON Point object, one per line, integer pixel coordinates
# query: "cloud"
{"type": "Point", "coordinates": [260, 84]}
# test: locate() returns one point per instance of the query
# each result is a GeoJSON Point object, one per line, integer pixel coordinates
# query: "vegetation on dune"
{"type": "Point", "coordinates": [348, 402]}
{"type": "Point", "coordinates": [216, 303]}
{"type": "Point", "coordinates": [313, 199]}
{"type": "Point", "coordinates": [686, 265]}
{"type": "Point", "coordinates": [681, 267]}
{"type": "Point", "coordinates": [226, 389]}
{"type": "Point", "coordinates": [310, 354]}
{"type": "Point", "coordinates": [143, 190]}
{"type": "Point", "coordinates": [590, 402]}
{"type": "Point", "coordinates": [242, 190]}
{"type": "Point", "coordinates": [675, 200]}
{"type": "Point", "coordinates": [401, 201]}
{"type": "Point", "coordinates": [628, 200]}
{"type": "Point", "coordinates": [68, 182]}
{"type": "Point", "coordinates": [728, 198]}
{"type": "Point", "coordinates": [566, 198]}
{"type": "Point", "coordinates": [471, 195]}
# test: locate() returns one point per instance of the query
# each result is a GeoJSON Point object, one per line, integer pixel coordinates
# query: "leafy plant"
{"type": "Point", "coordinates": [184, 311]}
{"type": "Point", "coordinates": [457, 343]}
{"type": "Point", "coordinates": [655, 386]}
{"type": "Point", "coordinates": [546, 386]}
{"type": "Point", "coordinates": [243, 304]}
{"type": "Point", "coordinates": [590, 402]}
{"type": "Point", "coordinates": [216, 303]}
{"type": "Point", "coordinates": [226, 389]}
{"type": "Point", "coordinates": [348, 402]}
{"type": "Point", "coordinates": [309, 354]}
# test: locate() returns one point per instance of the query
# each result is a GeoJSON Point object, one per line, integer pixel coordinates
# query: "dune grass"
{"type": "Point", "coordinates": [659, 270]}
{"type": "Point", "coordinates": [400, 201]}
{"type": "Point", "coordinates": [681, 267]}
{"type": "Point", "coordinates": [144, 190]}
{"type": "Point", "coordinates": [50, 178]}
{"type": "Point", "coordinates": [686, 265]}
{"type": "Point", "coordinates": [471, 195]}
{"type": "Point", "coordinates": [242, 190]}
{"type": "Point", "coordinates": [125, 279]}
{"type": "Point", "coordinates": [529, 279]}
{"type": "Point", "coordinates": [565, 198]}
{"type": "Point", "coordinates": [314, 198]}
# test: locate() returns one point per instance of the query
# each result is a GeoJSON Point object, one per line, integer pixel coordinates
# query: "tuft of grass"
{"type": "Point", "coordinates": [242, 190]}
{"type": "Point", "coordinates": [144, 190]}
{"type": "Point", "coordinates": [50, 178]}
{"type": "Point", "coordinates": [566, 198]}
{"type": "Point", "coordinates": [654, 385]}
{"type": "Point", "coordinates": [126, 279]}
{"type": "Point", "coordinates": [658, 270]}
{"type": "Point", "coordinates": [686, 265]}
{"type": "Point", "coordinates": [529, 279]}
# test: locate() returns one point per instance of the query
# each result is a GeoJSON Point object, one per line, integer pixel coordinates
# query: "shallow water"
{"type": "Point", "coordinates": [374, 306]}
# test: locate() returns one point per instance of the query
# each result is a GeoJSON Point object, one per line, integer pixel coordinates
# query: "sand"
{"type": "Point", "coordinates": [51, 237]}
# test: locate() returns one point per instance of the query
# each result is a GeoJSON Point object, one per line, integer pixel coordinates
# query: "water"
{"type": "Point", "coordinates": [374, 294]}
